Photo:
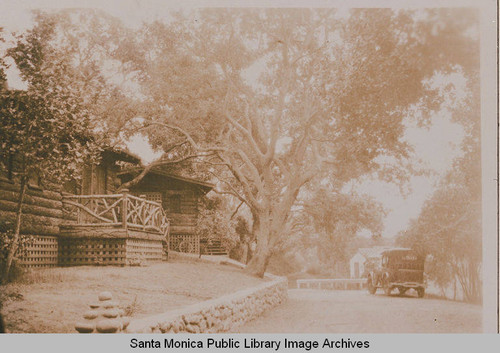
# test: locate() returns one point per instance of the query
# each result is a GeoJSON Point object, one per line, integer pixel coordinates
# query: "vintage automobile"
{"type": "Point", "coordinates": [399, 268]}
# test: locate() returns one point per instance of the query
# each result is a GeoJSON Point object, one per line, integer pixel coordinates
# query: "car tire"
{"type": "Point", "coordinates": [387, 290]}
{"type": "Point", "coordinates": [402, 290]}
{"type": "Point", "coordinates": [385, 285]}
{"type": "Point", "coordinates": [371, 288]}
{"type": "Point", "coordinates": [420, 292]}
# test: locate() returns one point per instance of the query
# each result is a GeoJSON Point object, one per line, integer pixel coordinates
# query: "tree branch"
{"type": "Point", "coordinates": [244, 131]}
{"type": "Point", "coordinates": [236, 210]}
{"type": "Point", "coordinates": [159, 162]}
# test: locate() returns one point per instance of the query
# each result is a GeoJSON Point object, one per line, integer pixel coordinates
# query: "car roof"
{"type": "Point", "coordinates": [396, 250]}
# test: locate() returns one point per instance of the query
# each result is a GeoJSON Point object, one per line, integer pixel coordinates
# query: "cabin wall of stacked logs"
{"type": "Point", "coordinates": [42, 215]}
{"type": "Point", "coordinates": [183, 216]}
{"type": "Point", "coordinates": [184, 222]}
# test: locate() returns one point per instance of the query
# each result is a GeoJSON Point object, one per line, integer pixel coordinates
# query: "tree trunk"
{"type": "Point", "coordinates": [248, 252]}
{"type": "Point", "coordinates": [454, 288]}
{"type": "Point", "coordinates": [258, 264]}
{"type": "Point", "coordinates": [17, 231]}
{"type": "Point", "coordinates": [244, 254]}
{"type": "Point", "coordinates": [260, 258]}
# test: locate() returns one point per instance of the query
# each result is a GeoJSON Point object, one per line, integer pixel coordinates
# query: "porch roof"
{"type": "Point", "coordinates": [136, 170]}
{"type": "Point", "coordinates": [121, 154]}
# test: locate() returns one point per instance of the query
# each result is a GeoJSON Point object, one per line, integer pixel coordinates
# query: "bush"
{"type": "Point", "coordinates": [314, 270]}
{"type": "Point", "coordinates": [6, 238]}
{"type": "Point", "coordinates": [236, 253]}
{"type": "Point", "coordinates": [214, 222]}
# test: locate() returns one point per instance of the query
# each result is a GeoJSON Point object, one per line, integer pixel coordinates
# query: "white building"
{"type": "Point", "coordinates": [357, 262]}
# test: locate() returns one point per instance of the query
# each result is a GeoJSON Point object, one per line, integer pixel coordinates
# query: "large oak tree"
{"type": "Point", "coordinates": [274, 98]}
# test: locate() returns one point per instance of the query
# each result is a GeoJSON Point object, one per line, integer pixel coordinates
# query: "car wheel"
{"type": "Point", "coordinates": [386, 286]}
{"type": "Point", "coordinates": [420, 292]}
{"type": "Point", "coordinates": [387, 290]}
{"type": "Point", "coordinates": [371, 288]}
{"type": "Point", "coordinates": [402, 290]}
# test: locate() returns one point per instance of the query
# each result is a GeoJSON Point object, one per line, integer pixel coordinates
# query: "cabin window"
{"type": "Point", "coordinates": [174, 203]}
{"type": "Point", "coordinates": [10, 170]}
{"type": "Point", "coordinates": [7, 168]}
{"type": "Point", "coordinates": [152, 196]}
{"type": "Point", "coordinates": [94, 180]}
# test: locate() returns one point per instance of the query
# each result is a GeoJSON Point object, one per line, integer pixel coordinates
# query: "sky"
{"type": "Point", "coordinates": [436, 145]}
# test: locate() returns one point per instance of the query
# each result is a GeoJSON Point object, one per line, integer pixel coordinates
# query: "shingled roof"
{"type": "Point", "coordinates": [206, 185]}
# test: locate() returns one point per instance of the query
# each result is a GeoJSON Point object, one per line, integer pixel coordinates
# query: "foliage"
{"type": "Point", "coordinates": [45, 131]}
{"type": "Point", "coordinates": [6, 239]}
{"type": "Point", "coordinates": [47, 128]}
{"type": "Point", "coordinates": [214, 222]}
{"type": "Point", "coordinates": [83, 44]}
{"type": "Point", "coordinates": [449, 228]}
{"type": "Point", "coordinates": [3, 65]}
{"type": "Point", "coordinates": [336, 219]}
{"type": "Point", "coordinates": [242, 251]}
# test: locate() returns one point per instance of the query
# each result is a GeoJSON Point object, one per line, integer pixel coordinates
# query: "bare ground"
{"type": "Point", "coordinates": [53, 300]}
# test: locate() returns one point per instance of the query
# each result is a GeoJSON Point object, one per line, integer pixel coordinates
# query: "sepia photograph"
{"type": "Point", "coordinates": [230, 168]}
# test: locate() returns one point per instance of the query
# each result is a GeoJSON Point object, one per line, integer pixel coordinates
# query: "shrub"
{"type": "Point", "coordinates": [6, 239]}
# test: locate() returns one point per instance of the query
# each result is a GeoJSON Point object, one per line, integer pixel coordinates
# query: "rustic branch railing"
{"type": "Point", "coordinates": [116, 210]}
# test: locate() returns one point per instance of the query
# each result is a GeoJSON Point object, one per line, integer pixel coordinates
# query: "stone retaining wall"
{"type": "Point", "coordinates": [218, 315]}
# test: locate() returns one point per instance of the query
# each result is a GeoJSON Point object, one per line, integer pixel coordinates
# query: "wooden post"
{"type": "Point", "coordinates": [79, 217]}
{"type": "Point", "coordinates": [168, 240]}
{"type": "Point", "coordinates": [124, 208]}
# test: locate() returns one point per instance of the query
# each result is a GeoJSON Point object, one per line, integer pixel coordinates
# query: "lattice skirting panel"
{"type": "Point", "coordinates": [189, 243]}
{"type": "Point", "coordinates": [142, 250]}
{"type": "Point", "coordinates": [41, 253]}
{"type": "Point", "coordinates": [92, 251]}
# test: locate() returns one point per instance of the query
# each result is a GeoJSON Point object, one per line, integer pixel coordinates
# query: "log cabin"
{"type": "Point", "coordinates": [86, 222]}
{"type": "Point", "coordinates": [180, 197]}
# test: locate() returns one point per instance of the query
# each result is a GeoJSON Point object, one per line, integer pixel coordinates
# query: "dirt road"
{"type": "Point", "coordinates": [323, 311]}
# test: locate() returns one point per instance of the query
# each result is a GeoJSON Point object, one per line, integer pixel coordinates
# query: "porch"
{"type": "Point", "coordinates": [116, 229]}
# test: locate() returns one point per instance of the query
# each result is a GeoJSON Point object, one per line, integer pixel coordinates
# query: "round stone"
{"type": "Point", "coordinates": [91, 315]}
{"type": "Point", "coordinates": [105, 296]}
{"type": "Point", "coordinates": [165, 327]}
{"type": "Point", "coordinates": [85, 327]}
{"type": "Point", "coordinates": [192, 328]}
{"type": "Point", "coordinates": [177, 326]}
{"type": "Point", "coordinates": [203, 325]}
{"type": "Point", "coordinates": [94, 305]}
{"type": "Point", "coordinates": [109, 304]}
{"type": "Point", "coordinates": [111, 313]}
{"type": "Point", "coordinates": [108, 326]}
